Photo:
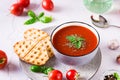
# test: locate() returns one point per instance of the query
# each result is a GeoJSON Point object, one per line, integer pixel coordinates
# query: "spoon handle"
{"type": "Point", "coordinates": [114, 26]}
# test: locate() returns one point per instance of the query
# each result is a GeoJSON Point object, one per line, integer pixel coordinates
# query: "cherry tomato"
{"type": "Point", "coordinates": [16, 9]}
{"type": "Point", "coordinates": [47, 5]}
{"type": "Point", "coordinates": [55, 75]}
{"type": "Point", "coordinates": [72, 74]}
{"type": "Point", "coordinates": [3, 59]}
{"type": "Point", "coordinates": [118, 59]}
{"type": "Point", "coordinates": [24, 3]}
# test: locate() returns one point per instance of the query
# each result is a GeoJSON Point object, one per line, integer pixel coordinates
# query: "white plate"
{"type": "Point", "coordinates": [86, 71]}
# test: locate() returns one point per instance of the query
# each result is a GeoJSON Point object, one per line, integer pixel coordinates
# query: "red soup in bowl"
{"type": "Point", "coordinates": [74, 40]}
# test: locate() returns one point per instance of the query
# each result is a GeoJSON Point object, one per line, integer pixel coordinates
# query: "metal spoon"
{"type": "Point", "coordinates": [102, 22]}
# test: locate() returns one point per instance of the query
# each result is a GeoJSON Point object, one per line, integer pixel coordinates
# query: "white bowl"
{"type": "Point", "coordinates": [75, 60]}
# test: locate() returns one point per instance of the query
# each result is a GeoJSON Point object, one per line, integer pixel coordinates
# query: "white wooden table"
{"type": "Point", "coordinates": [65, 10]}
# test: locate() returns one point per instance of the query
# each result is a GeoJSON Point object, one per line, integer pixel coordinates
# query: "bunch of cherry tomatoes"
{"type": "Point", "coordinates": [18, 8]}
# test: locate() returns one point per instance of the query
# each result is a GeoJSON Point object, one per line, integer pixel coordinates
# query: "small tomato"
{"type": "Point", "coordinates": [16, 9]}
{"type": "Point", "coordinates": [55, 75]}
{"type": "Point", "coordinates": [24, 3]}
{"type": "Point", "coordinates": [47, 5]}
{"type": "Point", "coordinates": [3, 59]}
{"type": "Point", "coordinates": [72, 74]}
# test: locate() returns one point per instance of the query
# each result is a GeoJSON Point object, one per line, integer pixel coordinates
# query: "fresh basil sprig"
{"type": "Point", "coordinates": [42, 69]}
{"type": "Point", "coordinates": [75, 41]}
{"type": "Point", "coordinates": [34, 18]}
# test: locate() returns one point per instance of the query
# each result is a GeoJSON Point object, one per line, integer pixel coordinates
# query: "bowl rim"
{"type": "Point", "coordinates": [75, 22]}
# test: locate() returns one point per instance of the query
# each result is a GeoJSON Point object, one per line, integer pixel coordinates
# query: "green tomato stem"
{"type": "Point", "coordinates": [2, 60]}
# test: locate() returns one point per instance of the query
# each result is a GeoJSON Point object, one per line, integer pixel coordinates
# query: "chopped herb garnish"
{"type": "Point", "coordinates": [75, 41]}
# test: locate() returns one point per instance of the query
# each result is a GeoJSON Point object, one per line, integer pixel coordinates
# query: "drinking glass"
{"type": "Point", "coordinates": [98, 6]}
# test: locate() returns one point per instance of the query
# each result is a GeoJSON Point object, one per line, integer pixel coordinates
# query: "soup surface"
{"type": "Point", "coordinates": [60, 42]}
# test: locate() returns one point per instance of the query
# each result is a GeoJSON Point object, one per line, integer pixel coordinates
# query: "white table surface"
{"type": "Point", "coordinates": [64, 10]}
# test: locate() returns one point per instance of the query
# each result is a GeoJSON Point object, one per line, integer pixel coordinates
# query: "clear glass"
{"type": "Point", "coordinates": [98, 6]}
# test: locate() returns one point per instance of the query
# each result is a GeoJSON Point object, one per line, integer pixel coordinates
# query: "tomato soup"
{"type": "Point", "coordinates": [60, 42]}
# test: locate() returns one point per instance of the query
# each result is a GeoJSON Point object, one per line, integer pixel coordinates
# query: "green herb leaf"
{"type": "Point", "coordinates": [75, 41]}
{"type": "Point", "coordinates": [78, 44]}
{"type": "Point", "coordinates": [117, 76]}
{"type": "Point", "coordinates": [35, 68]}
{"type": "Point", "coordinates": [41, 15]}
{"type": "Point", "coordinates": [46, 19]}
{"type": "Point", "coordinates": [80, 39]}
{"type": "Point", "coordinates": [30, 21]}
{"type": "Point", "coordinates": [49, 69]}
{"type": "Point", "coordinates": [71, 38]}
{"type": "Point", "coordinates": [32, 14]}
{"type": "Point", "coordinates": [42, 69]}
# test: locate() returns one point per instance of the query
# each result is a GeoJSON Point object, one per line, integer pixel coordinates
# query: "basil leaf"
{"type": "Point", "coordinates": [32, 14]}
{"type": "Point", "coordinates": [42, 69]}
{"type": "Point", "coordinates": [80, 39]}
{"type": "Point", "coordinates": [46, 19]}
{"type": "Point", "coordinates": [75, 41]}
{"type": "Point", "coordinates": [78, 44]}
{"type": "Point", "coordinates": [71, 38]}
{"type": "Point", "coordinates": [116, 75]}
{"type": "Point", "coordinates": [49, 69]}
{"type": "Point", "coordinates": [41, 15]}
{"type": "Point", "coordinates": [30, 21]}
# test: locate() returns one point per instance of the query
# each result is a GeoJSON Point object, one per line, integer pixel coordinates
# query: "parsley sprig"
{"type": "Point", "coordinates": [75, 41]}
